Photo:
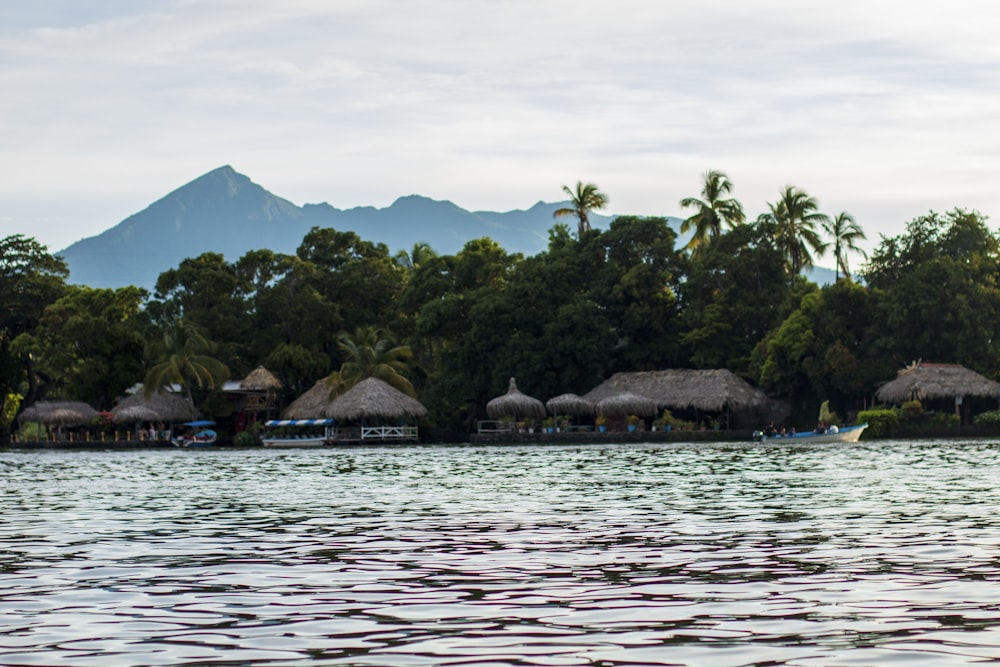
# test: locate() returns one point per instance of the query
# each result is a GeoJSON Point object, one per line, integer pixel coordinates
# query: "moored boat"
{"type": "Point", "coordinates": [844, 434]}
{"type": "Point", "coordinates": [309, 438]}
{"type": "Point", "coordinates": [198, 436]}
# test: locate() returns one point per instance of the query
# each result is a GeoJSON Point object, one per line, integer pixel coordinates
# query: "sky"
{"type": "Point", "coordinates": [884, 109]}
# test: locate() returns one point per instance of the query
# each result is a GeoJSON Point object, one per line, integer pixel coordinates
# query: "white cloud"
{"type": "Point", "coordinates": [876, 107]}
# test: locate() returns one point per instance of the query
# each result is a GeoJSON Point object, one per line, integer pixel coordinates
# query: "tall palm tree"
{"type": "Point", "coordinates": [712, 210]}
{"type": "Point", "coordinates": [183, 357]}
{"type": "Point", "coordinates": [411, 261]}
{"type": "Point", "coordinates": [370, 352]}
{"type": "Point", "coordinates": [845, 233]}
{"type": "Point", "coordinates": [795, 216]}
{"type": "Point", "coordinates": [584, 199]}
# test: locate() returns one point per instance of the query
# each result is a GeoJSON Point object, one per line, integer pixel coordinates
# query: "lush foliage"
{"type": "Point", "coordinates": [452, 329]}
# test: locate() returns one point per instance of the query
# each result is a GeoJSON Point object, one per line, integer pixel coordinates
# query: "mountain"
{"type": "Point", "coordinates": [225, 212]}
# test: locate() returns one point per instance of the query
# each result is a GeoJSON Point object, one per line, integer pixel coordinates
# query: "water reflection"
{"type": "Point", "coordinates": [601, 555]}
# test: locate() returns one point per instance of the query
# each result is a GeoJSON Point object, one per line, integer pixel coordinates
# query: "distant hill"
{"type": "Point", "coordinates": [225, 212]}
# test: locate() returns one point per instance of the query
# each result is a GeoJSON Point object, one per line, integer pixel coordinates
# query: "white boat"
{"type": "Point", "coordinates": [832, 434]}
{"type": "Point", "coordinates": [306, 439]}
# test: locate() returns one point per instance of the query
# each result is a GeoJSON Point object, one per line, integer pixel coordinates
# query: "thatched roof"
{"type": "Point", "coordinates": [167, 407]}
{"type": "Point", "coordinates": [570, 404]}
{"type": "Point", "coordinates": [625, 404]}
{"type": "Point", "coordinates": [310, 405]}
{"type": "Point", "coordinates": [369, 398]}
{"type": "Point", "coordinates": [260, 379]}
{"type": "Point", "coordinates": [711, 390]}
{"type": "Point", "coordinates": [515, 404]}
{"type": "Point", "coordinates": [929, 381]}
{"type": "Point", "coordinates": [67, 413]}
{"type": "Point", "coordinates": [374, 398]}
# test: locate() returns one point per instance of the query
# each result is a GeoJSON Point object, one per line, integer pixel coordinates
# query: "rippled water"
{"type": "Point", "coordinates": [878, 554]}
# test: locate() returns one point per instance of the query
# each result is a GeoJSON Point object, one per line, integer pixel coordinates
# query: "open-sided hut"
{"type": "Point", "coordinates": [159, 406]}
{"type": "Point", "coordinates": [625, 404]}
{"type": "Point", "coordinates": [714, 391]}
{"type": "Point", "coordinates": [922, 381]}
{"type": "Point", "coordinates": [515, 404]}
{"type": "Point", "coordinates": [374, 399]}
{"type": "Point", "coordinates": [570, 404]}
{"type": "Point", "coordinates": [58, 413]}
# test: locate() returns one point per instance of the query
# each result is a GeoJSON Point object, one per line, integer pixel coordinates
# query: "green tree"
{"type": "Point", "coordinates": [421, 253]}
{"type": "Point", "coordinates": [184, 356]}
{"type": "Point", "coordinates": [795, 217]}
{"type": "Point", "coordinates": [713, 210]}
{"type": "Point", "coordinates": [938, 292]}
{"type": "Point", "coordinates": [584, 199]}
{"type": "Point", "coordinates": [207, 291]}
{"type": "Point", "coordinates": [371, 352]}
{"type": "Point", "coordinates": [733, 294]}
{"type": "Point", "coordinates": [846, 233]}
{"type": "Point", "coordinates": [87, 344]}
{"type": "Point", "coordinates": [30, 279]}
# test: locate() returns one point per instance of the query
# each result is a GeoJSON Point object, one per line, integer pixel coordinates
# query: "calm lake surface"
{"type": "Point", "coordinates": [723, 555]}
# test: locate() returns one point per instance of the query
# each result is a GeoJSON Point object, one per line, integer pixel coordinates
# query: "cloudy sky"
{"type": "Point", "coordinates": [882, 108]}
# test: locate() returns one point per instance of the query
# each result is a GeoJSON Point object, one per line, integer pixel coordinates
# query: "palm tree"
{"type": "Point", "coordinates": [411, 261]}
{"type": "Point", "coordinates": [712, 210]}
{"type": "Point", "coordinates": [584, 199]}
{"type": "Point", "coordinates": [183, 357]}
{"type": "Point", "coordinates": [796, 217]}
{"type": "Point", "coordinates": [845, 233]}
{"type": "Point", "coordinates": [370, 352]}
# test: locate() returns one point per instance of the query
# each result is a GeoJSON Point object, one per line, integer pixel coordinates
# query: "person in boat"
{"type": "Point", "coordinates": [820, 427]}
{"type": "Point", "coordinates": [833, 429]}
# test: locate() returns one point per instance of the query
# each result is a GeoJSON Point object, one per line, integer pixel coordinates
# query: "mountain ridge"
{"type": "Point", "coordinates": [225, 211]}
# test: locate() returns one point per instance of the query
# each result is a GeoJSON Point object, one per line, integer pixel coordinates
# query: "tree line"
{"type": "Point", "coordinates": [452, 329]}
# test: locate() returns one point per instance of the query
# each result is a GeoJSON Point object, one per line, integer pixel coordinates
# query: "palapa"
{"type": "Point", "coordinates": [570, 404]}
{"type": "Point", "coordinates": [166, 406]}
{"type": "Point", "coordinates": [515, 404]}
{"type": "Point", "coordinates": [260, 379]}
{"type": "Point", "coordinates": [708, 390]}
{"type": "Point", "coordinates": [374, 398]}
{"type": "Point", "coordinates": [312, 404]}
{"type": "Point", "coordinates": [64, 413]}
{"type": "Point", "coordinates": [921, 381]}
{"type": "Point", "coordinates": [625, 404]}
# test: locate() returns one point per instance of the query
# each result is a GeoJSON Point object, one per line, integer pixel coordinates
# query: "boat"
{"type": "Point", "coordinates": [306, 439]}
{"type": "Point", "coordinates": [198, 436]}
{"type": "Point", "coordinates": [832, 434]}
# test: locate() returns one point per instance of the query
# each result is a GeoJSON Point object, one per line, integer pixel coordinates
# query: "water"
{"type": "Point", "coordinates": [880, 554]}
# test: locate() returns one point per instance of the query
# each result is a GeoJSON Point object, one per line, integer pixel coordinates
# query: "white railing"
{"type": "Point", "coordinates": [388, 432]}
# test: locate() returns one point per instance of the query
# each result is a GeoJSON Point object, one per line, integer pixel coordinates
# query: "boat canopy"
{"type": "Point", "coordinates": [300, 422]}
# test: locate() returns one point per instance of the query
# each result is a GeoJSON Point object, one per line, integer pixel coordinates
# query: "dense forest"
{"type": "Point", "coordinates": [454, 328]}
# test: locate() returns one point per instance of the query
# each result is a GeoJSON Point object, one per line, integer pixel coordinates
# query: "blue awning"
{"type": "Point", "coordinates": [300, 422]}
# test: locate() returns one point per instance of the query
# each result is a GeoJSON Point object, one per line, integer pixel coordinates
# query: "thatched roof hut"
{"type": "Point", "coordinates": [260, 379]}
{"type": "Point", "coordinates": [515, 404]}
{"type": "Point", "coordinates": [710, 391]}
{"type": "Point", "coordinates": [374, 398]}
{"type": "Point", "coordinates": [64, 413]}
{"type": "Point", "coordinates": [369, 398]}
{"type": "Point", "coordinates": [922, 381]}
{"type": "Point", "coordinates": [625, 404]}
{"type": "Point", "coordinates": [166, 406]}
{"type": "Point", "coordinates": [570, 404]}
{"type": "Point", "coordinates": [310, 405]}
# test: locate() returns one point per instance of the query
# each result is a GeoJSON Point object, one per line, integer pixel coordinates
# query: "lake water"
{"type": "Point", "coordinates": [724, 555]}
